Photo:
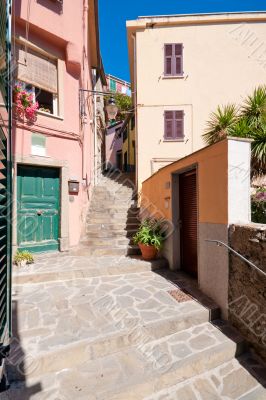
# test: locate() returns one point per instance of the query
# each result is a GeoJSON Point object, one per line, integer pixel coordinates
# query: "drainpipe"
{"type": "Point", "coordinates": [85, 60]}
{"type": "Point", "coordinates": [136, 109]}
{"type": "Point", "coordinates": [95, 127]}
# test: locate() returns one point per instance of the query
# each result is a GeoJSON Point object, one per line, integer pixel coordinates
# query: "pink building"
{"type": "Point", "coordinates": [117, 85]}
{"type": "Point", "coordinates": [56, 53]}
{"type": "Point", "coordinates": [114, 143]}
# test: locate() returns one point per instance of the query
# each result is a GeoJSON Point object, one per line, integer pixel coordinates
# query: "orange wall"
{"type": "Point", "coordinates": [212, 164]}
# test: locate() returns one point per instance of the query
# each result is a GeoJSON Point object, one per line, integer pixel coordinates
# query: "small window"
{"type": "Point", "coordinates": [132, 123]}
{"type": "Point", "coordinates": [112, 85]}
{"type": "Point", "coordinates": [173, 59]}
{"type": "Point", "coordinates": [38, 145]}
{"type": "Point", "coordinates": [174, 125]}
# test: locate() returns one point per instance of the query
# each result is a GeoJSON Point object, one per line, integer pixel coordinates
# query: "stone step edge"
{"type": "Point", "coordinates": [196, 363]}
{"type": "Point", "coordinates": [81, 273]}
{"type": "Point", "coordinates": [256, 391]}
{"type": "Point", "coordinates": [89, 350]}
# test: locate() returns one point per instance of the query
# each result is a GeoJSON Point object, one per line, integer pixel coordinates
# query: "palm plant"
{"type": "Point", "coordinates": [254, 108]}
{"type": "Point", "coordinates": [248, 122]}
{"type": "Point", "coordinates": [220, 123]}
{"type": "Point", "coordinates": [258, 150]}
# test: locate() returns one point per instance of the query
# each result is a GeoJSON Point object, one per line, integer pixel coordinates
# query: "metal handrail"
{"type": "Point", "coordinates": [219, 243]}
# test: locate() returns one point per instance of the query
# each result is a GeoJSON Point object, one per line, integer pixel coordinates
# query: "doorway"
{"type": "Point", "coordinates": [38, 208]}
{"type": "Point", "coordinates": [188, 211]}
{"type": "Point", "coordinates": [119, 160]}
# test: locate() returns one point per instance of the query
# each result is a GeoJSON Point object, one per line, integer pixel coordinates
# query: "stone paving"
{"type": "Point", "coordinates": [122, 336]}
{"type": "Point", "coordinates": [117, 328]}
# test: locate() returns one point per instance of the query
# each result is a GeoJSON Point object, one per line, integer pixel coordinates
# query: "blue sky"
{"type": "Point", "coordinates": [114, 13]}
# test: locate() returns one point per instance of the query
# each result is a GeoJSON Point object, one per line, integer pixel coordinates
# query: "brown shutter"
{"type": "Point", "coordinates": [169, 121]}
{"type": "Point", "coordinates": [189, 219]}
{"type": "Point", "coordinates": [168, 59]}
{"type": "Point", "coordinates": [179, 124]}
{"type": "Point", "coordinates": [178, 59]}
{"type": "Point", "coordinates": [37, 70]}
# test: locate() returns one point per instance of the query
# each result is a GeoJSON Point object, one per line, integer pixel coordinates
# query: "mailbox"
{"type": "Point", "coordinates": [73, 186]}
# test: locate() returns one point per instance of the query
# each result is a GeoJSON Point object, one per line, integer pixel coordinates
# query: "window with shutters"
{"type": "Point", "coordinates": [173, 59]}
{"type": "Point", "coordinates": [38, 74]}
{"type": "Point", "coordinates": [174, 125]}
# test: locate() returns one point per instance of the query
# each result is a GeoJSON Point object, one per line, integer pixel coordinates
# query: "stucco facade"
{"type": "Point", "coordinates": [223, 198]}
{"type": "Point", "coordinates": [223, 61]}
{"type": "Point", "coordinates": [67, 34]}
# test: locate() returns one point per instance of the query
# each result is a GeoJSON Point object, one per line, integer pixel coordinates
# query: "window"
{"type": "Point", "coordinates": [173, 59]}
{"type": "Point", "coordinates": [38, 145]}
{"type": "Point", "coordinates": [174, 125]}
{"type": "Point", "coordinates": [112, 85]}
{"type": "Point", "coordinates": [47, 101]}
{"type": "Point", "coordinates": [132, 123]}
{"type": "Point", "coordinates": [38, 74]}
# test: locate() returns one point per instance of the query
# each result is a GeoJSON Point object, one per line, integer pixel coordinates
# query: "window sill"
{"type": "Point", "coordinates": [174, 140]}
{"type": "Point", "coordinates": [173, 77]}
{"type": "Point", "coordinates": [50, 115]}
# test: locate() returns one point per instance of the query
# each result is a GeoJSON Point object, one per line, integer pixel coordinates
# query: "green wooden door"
{"type": "Point", "coordinates": [38, 208]}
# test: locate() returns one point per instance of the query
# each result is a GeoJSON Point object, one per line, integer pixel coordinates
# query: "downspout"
{"type": "Point", "coordinates": [136, 110]}
{"type": "Point", "coordinates": [95, 127]}
{"type": "Point", "coordinates": [85, 83]}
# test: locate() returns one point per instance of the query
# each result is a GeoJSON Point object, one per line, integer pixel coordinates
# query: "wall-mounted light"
{"type": "Point", "coordinates": [111, 109]}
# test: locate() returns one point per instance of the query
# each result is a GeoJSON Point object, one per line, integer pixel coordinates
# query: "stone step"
{"type": "Point", "coordinates": [53, 315]}
{"type": "Point", "coordinates": [228, 381]}
{"type": "Point", "coordinates": [113, 212]}
{"type": "Point", "coordinates": [142, 365]}
{"type": "Point", "coordinates": [109, 242]}
{"type": "Point", "coordinates": [110, 234]}
{"type": "Point", "coordinates": [92, 219]}
{"type": "Point", "coordinates": [83, 270]}
{"type": "Point", "coordinates": [111, 227]}
{"type": "Point", "coordinates": [103, 251]}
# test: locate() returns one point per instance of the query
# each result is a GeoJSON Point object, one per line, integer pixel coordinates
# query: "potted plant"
{"type": "Point", "coordinates": [149, 238]}
{"type": "Point", "coordinates": [22, 258]}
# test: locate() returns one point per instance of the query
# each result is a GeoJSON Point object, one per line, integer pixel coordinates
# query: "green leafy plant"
{"type": "Point", "coordinates": [23, 256]}
{"type": "Point", "coordinates": [247, 121]}
{"type": "Point", "coordinates": [150, 233]}
{"type": "Point", "coordinates": [258, 206]}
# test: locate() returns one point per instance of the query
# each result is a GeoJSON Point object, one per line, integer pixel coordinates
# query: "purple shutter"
{"type": "Point", "coordinates": [173, 59]}
{"type": "Point", "coordinates": [179, 59]}
{"type": "Point", "coordinates": [168, 59]}
{"type": "Point", "coordinates": [169, 127]}
{"type": "Point", "coordinates": [179, 125]}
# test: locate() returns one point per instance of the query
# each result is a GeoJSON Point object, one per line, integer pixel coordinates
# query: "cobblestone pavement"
{"type": "Point", "coordinates": [117, 333]}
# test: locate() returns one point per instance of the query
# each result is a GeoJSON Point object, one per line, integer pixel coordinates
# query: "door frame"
{"type": "Point", "coordinates": [176, 237]}
{"type": "Point", "coordinates": [63, 167]}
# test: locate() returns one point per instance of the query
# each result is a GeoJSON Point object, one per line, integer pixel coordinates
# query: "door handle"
{"type": "Point", "coordinates": [39, 212]}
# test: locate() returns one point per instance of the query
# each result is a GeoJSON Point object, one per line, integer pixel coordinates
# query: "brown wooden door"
{"type": "Point", "coordinates": [189, 222]}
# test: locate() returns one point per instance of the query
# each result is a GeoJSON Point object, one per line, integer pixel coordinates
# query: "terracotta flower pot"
{"type": "Point", "coordinates": [148, 252]}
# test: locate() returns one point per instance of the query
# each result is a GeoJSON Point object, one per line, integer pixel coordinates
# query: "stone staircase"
{"type": "Point", "coordinates": [99, 325]}
{"type": "Point", "coordinates": [113, 218]}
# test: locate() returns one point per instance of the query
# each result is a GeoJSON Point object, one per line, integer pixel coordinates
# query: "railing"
{"type": "Point", "coordinates": [219, 243]}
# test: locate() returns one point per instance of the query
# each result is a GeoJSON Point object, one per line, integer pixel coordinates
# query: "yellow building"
{"type": "Point", "coordinates": [128, 147]}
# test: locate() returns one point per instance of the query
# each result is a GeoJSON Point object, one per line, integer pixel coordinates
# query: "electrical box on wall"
{"type": "Point", "coordinates": [73, 186]}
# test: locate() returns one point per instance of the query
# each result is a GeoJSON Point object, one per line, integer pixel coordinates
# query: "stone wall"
{"type": "Point", "coordinates": [247, 287]}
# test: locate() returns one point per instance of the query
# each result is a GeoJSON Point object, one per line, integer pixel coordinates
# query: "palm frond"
{"type": "Point", "coordinates": [220, 123]}
{"type": "Point", "coordinates": [254, 107]}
